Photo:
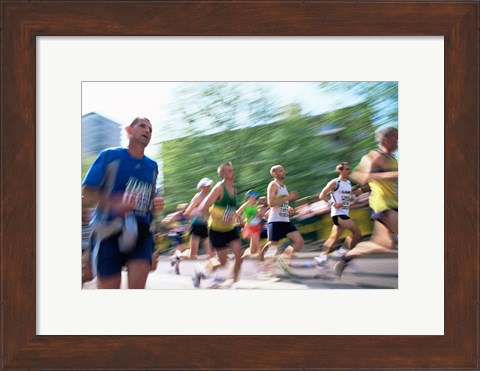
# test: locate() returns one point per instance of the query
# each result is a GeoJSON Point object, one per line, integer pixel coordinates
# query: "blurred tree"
{"type": "Point", "coordinates": [382, 96]}
{"type": "Point", "coordinates": [201, 108]}
{"type": "Point", "coordinates": [308, 147]}
{"type": "Point", "coordinates": [87, 161]}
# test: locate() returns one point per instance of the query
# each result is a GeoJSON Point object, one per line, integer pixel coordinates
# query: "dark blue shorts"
{"type": "Point", "coordinates": [264, 234]}
{"type": "Point", "coordinates": [279, 230]}
{"type": "Point", "coordinates": [111, 261]}
{"type": "Point", "coordinates": [220, 240]}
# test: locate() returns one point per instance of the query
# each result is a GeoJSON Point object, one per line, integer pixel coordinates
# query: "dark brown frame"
{"type": "Point", "coordinates": [22, 21]}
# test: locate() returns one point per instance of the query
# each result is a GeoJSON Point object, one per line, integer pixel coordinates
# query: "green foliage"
{"type": "Point", "coordinates": [202, 107]}
{"type": "Point", "coordinates": [382, 96]}
{"type": "Point", "coordinates": [87, 161]}
{"type": "Point", "coordinates": [308, 148]}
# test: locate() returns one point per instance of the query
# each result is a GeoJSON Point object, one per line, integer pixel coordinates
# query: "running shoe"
{"type": "Point", "coordinates": [175, 262]}
{"type": "Point", "coordinates": [228, 284]}
{"type": "Point", "coordinates": [197, 276]}
{"type": "Point", "coordinates": [340, 267]}
{"type": "Point", "coordinates": [212, 283]}
{"type": "Point", "coordinates": [176, 267]}
{"type": "Point", "coordinates": [321, 261]}
{"type": "Point", "coordinates": [341, 251]}
{"type": "Point", "coordinates": [173, 259]}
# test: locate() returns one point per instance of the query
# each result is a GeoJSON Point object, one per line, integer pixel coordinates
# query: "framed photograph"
{"type": "Point", "coordinates": [32, 31]}
{"type": "Point", "coordinates": [307, 126]}
{"type": "Point", "coordinates": [375, 59]}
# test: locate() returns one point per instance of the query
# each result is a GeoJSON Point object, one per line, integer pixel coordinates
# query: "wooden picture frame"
{"type": "Point", "coordinates": [23, 21]}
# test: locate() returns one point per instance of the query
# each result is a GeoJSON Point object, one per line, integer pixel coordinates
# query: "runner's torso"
{"type": "Point", "coordinates": [198, 217]}
{"type": "Point", "coordinates": [221, 212]}
{"type": "Point", "coordinates": [250, 215]}
{"type": "Point", "coordinates": [384, 193]}
{"type": "Point", "coordinates": [341, 193]}
{"type": "Point", "coordinates": [279, 213]}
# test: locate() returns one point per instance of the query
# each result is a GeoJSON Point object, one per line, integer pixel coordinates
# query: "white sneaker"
{"type": "Point", "coordinates": [321, 261]}
{"type": "Point", "coordinates": [197, 276]}
{"type": "Point", "coordinates": [176, 267]}
{"type": "Point", "coordinates": [228, 284]}
{"type": "Point", "coordinates": [212, 283]}
{"type": "Point", "coordinates": [341, 251]}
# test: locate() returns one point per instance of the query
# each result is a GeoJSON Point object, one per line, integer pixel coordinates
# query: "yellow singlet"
{"type": "Point", "coordinates": [384, 193]}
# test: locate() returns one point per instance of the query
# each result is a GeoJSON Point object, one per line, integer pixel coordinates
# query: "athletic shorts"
{"type": "Point", "coordinates": [111, 260]}
{"type": "Point", "coordinates": [335, 218]}
{"type": "Point", "coordinates": [176, 238]}
{"type": "Point", "coordinates": [251, 230]}
{"type": "Point", "coordinates": [279, 230]}
{"type": "Point", "coordinates": [200, 230]}
{"type": "Point", "coordinates": [381, 216]}
{"type": "Point", "coordinates": [220, 240]}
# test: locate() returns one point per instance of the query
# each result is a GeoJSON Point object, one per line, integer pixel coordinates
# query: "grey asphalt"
{"type": "Point", "coordinates": [378, 271]}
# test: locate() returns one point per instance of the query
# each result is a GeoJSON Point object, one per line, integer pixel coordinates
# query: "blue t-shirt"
{"type": "Point", "coordinates": [117, 174]}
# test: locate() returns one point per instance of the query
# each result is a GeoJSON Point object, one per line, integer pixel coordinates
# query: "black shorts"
{"type": "Point", "coordinates": [381, 216]}
{"type": "Point", "coordinates": [335, 218]}
{"type": "Point", "coordinates": [220, 240]}
{"type": "Point", "coordinates": [200, 230]}
{"type": "Point", "coordinates": [279, 230]}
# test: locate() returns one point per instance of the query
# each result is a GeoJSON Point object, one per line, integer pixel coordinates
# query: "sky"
{"type": "Point", "coordinates": [123, 101]}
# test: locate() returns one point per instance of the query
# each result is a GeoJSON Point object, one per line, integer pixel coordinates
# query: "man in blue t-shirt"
{"type": "Point", "coordinates": [121, 185]}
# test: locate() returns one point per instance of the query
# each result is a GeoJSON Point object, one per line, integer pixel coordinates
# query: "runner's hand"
{"type": "Point", "coordinates": [121, 205]}
{"type": "Point", "coordinates": [158, 203]}
{"type": "Point", "coordinates": [293, 195]}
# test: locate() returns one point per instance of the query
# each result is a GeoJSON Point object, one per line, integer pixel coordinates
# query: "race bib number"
{"type": "Point", "coordinates": [142, 191]}
{"type": "Point", "coordinates": [284, 210]}
{"type": "Point", "coordinates": [345, 202]}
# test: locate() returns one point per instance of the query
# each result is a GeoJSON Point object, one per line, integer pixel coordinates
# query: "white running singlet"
{"type": "Point", "coordinates": [341, 194]}
{"type": "Point", "coordinates": [280, 213]}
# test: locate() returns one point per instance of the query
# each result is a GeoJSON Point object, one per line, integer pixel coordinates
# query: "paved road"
{"type": "Point", "coordinates": [373, 272]}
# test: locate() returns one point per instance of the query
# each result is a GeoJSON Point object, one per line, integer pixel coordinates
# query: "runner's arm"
{"type": "Point", "coordinates": [193, 204]}
{"type": "Point", "coordinates": [215, 194]}
{"type": "Point", "coordinates": [325, 194]}
{"type": "Point", "coordinates": [90, 197]}
{"type": "Point", "coordinates": [272, 195]}
{"type": "Point", "coordinates": [240, 209]}
{"type": "Point", "coordinates": [369, 168]}
{"type": "Point", "coordinates": [116, 204]}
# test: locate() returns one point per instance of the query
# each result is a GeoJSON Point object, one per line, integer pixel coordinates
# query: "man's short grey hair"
{"type": "Point", "coordinates": [380, 134]}
{"type": "Point", "coordinates": [274, 168]}
{"type": "Point", "coordinates": [137, 119]}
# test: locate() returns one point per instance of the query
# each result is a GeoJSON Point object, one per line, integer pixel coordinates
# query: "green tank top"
{"type": "Point", "coordinates": [250, 213]}
{"type": "Point", "coordinates": [221, 213]}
